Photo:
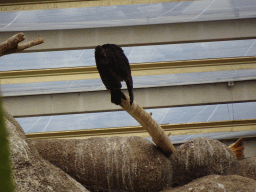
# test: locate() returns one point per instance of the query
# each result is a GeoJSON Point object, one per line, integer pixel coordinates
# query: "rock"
{"type": "Point", "coordinates": [110, 163]}
{"type": "Point", "coordinates": [218, 183]}
{"type": "Point", "coordinates": [30, 171]}
{"type": "Point", "coordinates": [200, 157]}
{"type": "Point", "coordinates": [248, 167]}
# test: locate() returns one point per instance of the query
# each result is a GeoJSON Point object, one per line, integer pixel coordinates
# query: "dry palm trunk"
{"type": "Point", "coordinates": [147, 122]}
{"type": "Point", "coordinates": [11, 45]}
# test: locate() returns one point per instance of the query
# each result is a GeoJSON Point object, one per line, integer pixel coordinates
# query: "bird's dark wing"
{"type": "Point", "coordinates": [102, 62]}
{"type": "Point", "coordinates": [120, 66]}
{"type": "Point", "coordinates": [114, 67]}
{"type": "Point", "coordinates": [118, 61]}
{"type": "Point", "coordinates": [129, 84]}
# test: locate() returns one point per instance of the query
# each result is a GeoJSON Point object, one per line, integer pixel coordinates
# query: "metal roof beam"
{"type": "Point", "coordinates": [154, 97]}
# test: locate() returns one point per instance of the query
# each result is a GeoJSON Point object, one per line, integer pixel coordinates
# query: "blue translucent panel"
{"type": "Point", "coordinates": [174, 115]}
{"type": "Point", "coordinates": [124, 15]}
{"type": "Point", "coordinates": [139, 54]}
{"type": "Point", "coordinates": [42, 60]}
{"type": "Point", "coordinates": [138, 81]}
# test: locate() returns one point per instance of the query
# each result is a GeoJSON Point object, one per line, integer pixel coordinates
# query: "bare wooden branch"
{"type": "Point", "coordinates": [238, 148]}
{"type": "Point", "coordinates": [12, 46]}
{"type": "Point", "coordinates": [32, 43]}
{"type": "Point", "coordinates": [158, 135]}
{"type": "Point", "coordinates": [11, 43]}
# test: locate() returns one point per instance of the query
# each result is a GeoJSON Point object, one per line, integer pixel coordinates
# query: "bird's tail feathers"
{"type": "Point", "coordinates": [116, 96]}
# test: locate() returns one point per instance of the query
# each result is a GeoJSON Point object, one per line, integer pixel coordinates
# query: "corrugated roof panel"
{"type": "Point", "coordinates": [175, 115]}
{"type": "Point", "coordinates": [138, 81]}
{"type": "Point", "coordinates": [124, 15]}
{"type": "Point", "coordinates": [139, 54]}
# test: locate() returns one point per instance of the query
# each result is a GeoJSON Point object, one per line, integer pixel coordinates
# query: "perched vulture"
{"type": "Point", "coordinates": [114, 67]}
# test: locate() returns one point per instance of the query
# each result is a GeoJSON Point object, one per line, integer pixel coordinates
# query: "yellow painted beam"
{"type": "Point", "coordinates": [174, 129]}
{"type": "Point", "coordinates": [140, 69]}
{"type": "Point", "coordinates": [24, 5]}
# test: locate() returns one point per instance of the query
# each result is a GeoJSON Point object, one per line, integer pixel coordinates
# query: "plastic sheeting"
{"type": "Point", "coordinates": [124, 15]}
{"type": "Point", "coordinates": [174, 115]}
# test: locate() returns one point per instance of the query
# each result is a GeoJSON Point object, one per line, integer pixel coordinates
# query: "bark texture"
{"type": "Point", "coordinates": [11, 45]}
{"type": "Point", "coordinates": [218, 183]}
{"type": "Point", "coordinates": [31, 172]}
{"type": "Point", "coordinates": [200, 157]}
{"type": "Point", "coordinates": [110, 163]}
{"type": "Point", "coordinates": [248, 167]}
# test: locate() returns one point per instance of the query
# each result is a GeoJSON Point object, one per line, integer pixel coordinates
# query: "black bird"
{"type": "Point", "coordinates": [114, 67]}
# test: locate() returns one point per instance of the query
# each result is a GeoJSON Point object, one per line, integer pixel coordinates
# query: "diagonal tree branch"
{"type": "Point", "coordinates": [147, 122]}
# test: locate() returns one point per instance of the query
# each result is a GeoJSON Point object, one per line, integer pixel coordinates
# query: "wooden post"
{"type": "Point", "coordinates": [158, 135]}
